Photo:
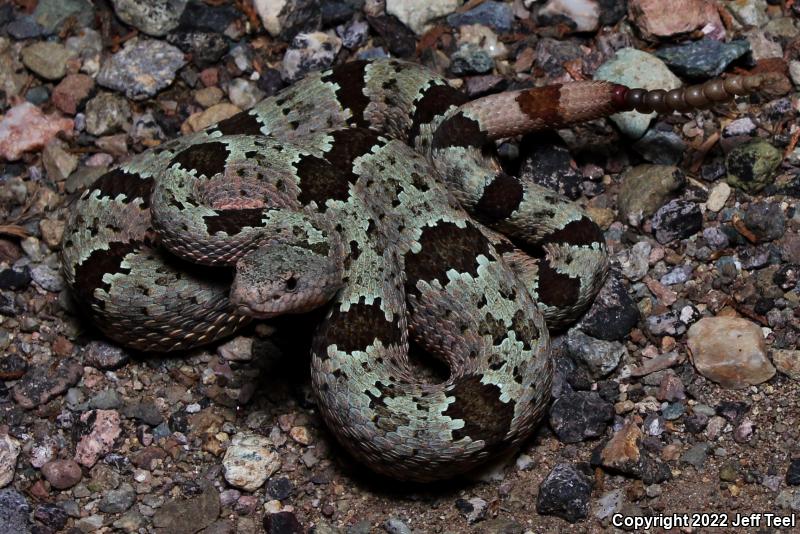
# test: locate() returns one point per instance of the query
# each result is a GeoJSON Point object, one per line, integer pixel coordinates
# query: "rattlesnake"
{"type": "Point", "coordinates": [352, 188]}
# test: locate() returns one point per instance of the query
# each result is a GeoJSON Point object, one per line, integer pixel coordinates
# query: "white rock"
{"type": "Point", "coordinates": [718, 196]}
{"type": "Point", "coordinates": [788, 362]}
{"type": "Point", "coordinates": [269, 10]}
{"type": "Point", "coordinates": [250, 461]}
{"type": "Point", "coordinates": [9, 451]}
{"type": "Point", "coordinates": [416, 14]}
{"type": "Point", "coordinates": [585, 13]}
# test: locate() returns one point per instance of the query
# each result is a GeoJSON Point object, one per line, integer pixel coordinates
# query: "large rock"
{"type": "Point", "coordinates": [645, 188]}
{"type": "Point", "coordinates": [730, 351]}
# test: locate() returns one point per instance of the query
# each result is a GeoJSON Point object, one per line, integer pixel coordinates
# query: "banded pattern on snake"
{"type": "Point", "coordinates": [371, 188]}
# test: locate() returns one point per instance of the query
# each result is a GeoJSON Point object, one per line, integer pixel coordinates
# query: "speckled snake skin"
{"type": "Point", "coordinates": [372, 189]}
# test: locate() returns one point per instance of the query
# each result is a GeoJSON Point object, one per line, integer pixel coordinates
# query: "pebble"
{"type": "Point", "coordinates": [216, 17]}
{"type": "Point", "coordinates": [287, 18]}
{"type": "Point", "coordinates": [744, 126]}
{"type": "Point", "coordinates": [696, 455]}
{"type": "Point", "coordinates": [187, 516]}
{"type": "Point", "coordinates": [282, 523]}
{"type": "Point", "coordinates": [47, 59]}
{"type": "Point", "coordinates": [14, 509]}
{"type": "Point", "coordinates": [730, 351]}
{"type": "Point", "coordinates": [106, 428]}
{"type": "Point", "coordinates": [52, 14]}
{"type": "Point", "coordinates": [765, 221]}
{"type": "Point", "coordinates": [717, 197]}
{"type": "Point", "coordinates": [206, 48]}
{"type": "Point", "coordinates": [354, 34]}
{"type": "Point", "coordinates": [208, 96]}
{"type": "Point", "coordinates": [635, 68]}
{"type": "Point", "coordinates": [608, 504]}
{"type": "Point", "coordinates": [107, 113]}
{"type": "Point", "coordinates": [62, 474]}
{"type": "Point", "coordinates": [47, 278]}
{"type": "Point", "coordinates": [116, 501]}
{"type": "Point", "coordinates": [203, 119]}
{"type": "Point", "coordinates": [59, 164]}
{"type": "Point", "coordinates": [308, 52]}
{"type": "Point", "coordinates": [789, 500]}
{"type": "Point", "coordinates": [794, 72]}
{"type": "Point", "coordinates": [751, 166]}
{"type": "Point", "coordinates": [244, 94]}
{"type": "Point", "coordinates": [142, 68]}
{"type": "Point", "coordinates": [678, 219]}
{"type": "Point", "coordinates": [749, 12]}
{"type": "Point", "coordinates": [155, 17]}
{"type": "Point", "coordinates": [417, 14]}
{"type": "Point", "coordinates": [471, 59]}
{"type": "Point", "coordinates": [249, 461]}
{"type": "Point", "coordinates": [645, 188]}
{"type": "Point", "coordinates": [398, 39]}
{"type": "Point", "coordinates": [565, 493]}
{"type": "Point", "coordinates": [621, 453]}
{"type": "Point", "coordinates": [678, 275]}
{"type": "Point", "coordinates": [582, 15]}
{"type": "Point", "coordinates": [280, 488]}
{"type": "Point", "coordinates": [24, 127]}
{"type": "Point", "coordinates": [473, 510]}
{"type": "Point", "coordinates": [613, 314]}
{"type": "Point", "coordinates": [394, 525]}
{"type": "Point", "coordinates": [104, 356]}
{"type": "Point", "coordinates": [24, 27]}
{"type": "Point", "coordinates": [143, 411]}
{"type": "Point", "coordinates": [45, 382]}
{"type": "Point", "coordinates": [9, 452]}
{"type": "Point", "coordinates": [599, 356]}
{"type": "Point", "coordinates": [705, 58]}
{"type": "Point", "coordinates": [15, 278]}
{"type": "Point", "coordinates": [657, 19]}
{"type": "Point", "coordinates": [787, 361]}
{"type": "Point", "coordinates": [51, 515]}
{"type": "Point", "coordinates": [579, 416]}
{"type": "Point", "coordinates": [793, 473]}
{"type": "Point", "coordinates": [496, 15]}
{"type": "Point", "coordinates": [670, 389]}
{"type": "Point", "coordinates": [661, 146]}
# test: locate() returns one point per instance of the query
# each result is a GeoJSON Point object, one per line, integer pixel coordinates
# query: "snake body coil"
{"type": "Point", "coordinates": [371, 187]}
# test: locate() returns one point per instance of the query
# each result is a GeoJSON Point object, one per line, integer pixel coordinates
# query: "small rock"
{"type": "Point", "coordinates": [470, 59]}
{"type": "Point", "coordinates": [396, 526]}
{"type": "Point", "coordinates": [608, 504]}
{"type": "Point", "coordinates": [705, 58]}
{"type": "Point", "coordinates": [749, 12]}
{"type": "Point", "coordinates": [14, 510]}
{"type": "Point", "coordinates": [9, 452]}
{"type": "Point", "coordinates": [765, 220]}
{"type": "Point", "coordinates": [15, 279]}
{"type": "Point", "coordinates": [47, 278]}
{"type": "Point", "coordinates": [751, 166]}
{"type": "Point", "coordinates": [622, 452]}
{"type": "Point", "coordinates": [58, 163]}
{"type": "Point", "coordinates": [645, 188]}
{"type": "Point", "coordinates": [718, 197]}
{"type": "Point", "coordinates": [45, 382]}
{"type": "Point", "coordinates": [696, 456]}
{"type": "Point", "coordinates": [104, 356]}
{"type": "Point", "coordinates": [789, 500]}
{"type": "Point", "coordinates": [661, 146]}
{"type": "Point", "coordinates": [206, 48]}
{"type": "Point", "coordinates": [51, 515]}
{"type": "Point", "coordinates": [216, 113]}
{"type": "Point", "coordinates": [244, 94]}
{"type": "Point", "coordinates": [473, 509]}
{"type": "Point", "coordinates": [48, 59]}
{"type": "Point", "coordinates": [155, 17]}
{"type": "Point", "coordinates": [600, 357]}
{"type": "Point", "coordinates": [280, 488]}
{"type": "Point", "coordinates": [580, 15]}
{"type": "Point", "coordinates": [656, 19]}
{"type": "Point", "coordinates": [107, 113]}
{"type": "Point", "coordinates": [116, 501]}
{"type": "Point", "coordinates": [143, 412]}
{"type": "Point", "coordinates": [187, 516]}
{"type": "Point", "coordinates": [613, 314]}
{"type": "Point", "coordinates": [730, 351]}
{"type": "Point", "coordinates": [496, 15]}
{"type": "Point", "coordinates": [670, 389]}
{"type": "Point", "coordinates": [635, 68]}
{"type": "Point", "coordinates": [208, 96]}
{"type": "Point", "coordinates": [565, 493]}
{"type": "Point", "coordinates": [100, 441]}
{"type": "Point", "coordinates": [579, 416]}
{"type": "Point", "coordinates": [282, 523]}
{"type": "Point", "coordinates": [142, 68]}
{"type": "Point", "coordinates": [24, 127]}
{"type": "Point", "coordinates": [62, 474]}
{"type": "Point", "coordinates": [51, 14]}
{"type": "Point", "coordinates": [793, 473]}
{"type": "Point", "coordinates": [787, 361]}
{"type": "Point", "coordinates": [398, 39]}
{"type": "Point", "coordinates": [250, 461]}
{"type": "Point", "coordinates": [744, 126]}
{"type": "Point", "coordinates": [24, 27]}
{"type": "Point", "coordinates": [416, 14]}
{"type": "Point", "coordinates": [678, 219]}
{"type": "Point", "coordinates": [308, 52]}
{"type": "Point", "coordinates": [287, 18]}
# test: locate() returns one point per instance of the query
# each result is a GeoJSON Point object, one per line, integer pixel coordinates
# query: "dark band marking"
{"type": "Point", "coordinates": [233, 221]}
{"type": "Point", "coordinates": [542, 103]}
{"type": "Point", "coordinates": [500, 198]}
{"type": "Point", "coordinates": [493, 327]}
{"type": "Point", "coordinates": [486, 418]}
{"type": "Point", "coordinates": [358, 328]}
{"type": "Point", "coordinates": [207, 159]}
{"type": "Point", "coordinates": [241, 123]}
{"type": "Point", "coordinates": [351, 79]}
{"type": "Point", "coordinates": [444, 247]}
{"type": "Point", "coordinates": [386, 418]}
{"type": "Point", "coordinates": [131, 186]}
{"type": "Point", "coordinates": [584, 231]}
{"type": "Point", "coordinates": [459, 130]}
{"type": "Point", "coordinates": [433, 102]}
{"type": "Point", "coordinates": [89, 273]}
{"type": "Point", "coordinates": [555, 288]}
{"type": "Point", "coordinates": [526, 330]}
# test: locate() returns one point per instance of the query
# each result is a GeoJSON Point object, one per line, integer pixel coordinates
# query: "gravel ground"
{"type": "Point", "coordinates": [676, 394]}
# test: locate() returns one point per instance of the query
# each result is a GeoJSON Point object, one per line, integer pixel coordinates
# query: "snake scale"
{"type": "Point", "coordinates": [371, 188]}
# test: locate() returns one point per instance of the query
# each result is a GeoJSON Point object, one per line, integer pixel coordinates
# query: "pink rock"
{"type": "Point", "coordinates": [100, 440]}
{"type": "Point", "coordinates": [25, 128]}
{"type": "Point", "coordinates": [72, 90]}
{"type": "Point", "coordinates": [62, 474]}
{"type": "Point", "coordinates": [656, 18]}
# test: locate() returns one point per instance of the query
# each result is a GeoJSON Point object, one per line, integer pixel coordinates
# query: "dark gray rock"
{"type": "Point", "coordinates": [206, 48]}
{"type": "Point", "coordinates": [471, 59]}
{"type": "Point", "coordinates": [118, 500]}
{"type": "Point", "coordinates": [579, 416]}
{"type": "Point", "coordinates": [142, 68]}
{"type": "Point", "coordinates": [550, 165]}
{"type": "Point", "coordinates": [565, 493]}
{"type": "Point", "coordinates": [14, 511]}
{"type": "Point", "coordinates": [497, 15]}
{"type": "Point", "coordinates": [24, 27]}
{"type": "Point", "coordinates": [599, 356]}
{"type": "Point", "coordinates": [662, 147]}
{"type": "Point", "coordinates": [765, 220]}
{"type": "Point", "coordinates": [705, 58]}
{"type": "Point", "coordinates": [204, 17]}
{"type": "Point", "coordinates": [678, 219]}
{"type": "Point", "coordinates": [793, 473]}
{"type": "Point", "coordinates": [613, 313]}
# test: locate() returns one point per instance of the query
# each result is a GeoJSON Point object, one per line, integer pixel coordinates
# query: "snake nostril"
{"type": "Point", "coordinates": [291, 283]}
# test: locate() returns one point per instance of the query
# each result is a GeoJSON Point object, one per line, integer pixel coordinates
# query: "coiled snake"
{"type": "Point", "coordinates": [372, 188]}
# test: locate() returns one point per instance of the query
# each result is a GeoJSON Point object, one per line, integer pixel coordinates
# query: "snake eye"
{"type": "Point", "coordinates": [291, 283]}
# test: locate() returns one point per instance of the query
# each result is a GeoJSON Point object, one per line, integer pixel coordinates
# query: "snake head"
{"type": "Point", "coordinates": [276, 279]}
